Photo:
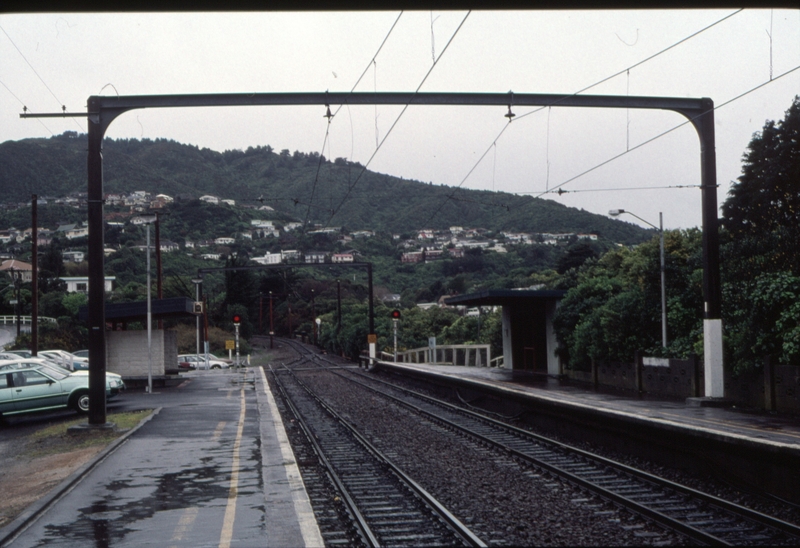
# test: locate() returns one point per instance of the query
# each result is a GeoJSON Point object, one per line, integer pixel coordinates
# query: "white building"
{"type": "Point", "coordinates": [269, 258]}
{"type": "Point", "coordinates": [74, 256]}
{"type": "Point", "coordinates": [342, 258]}
{"type": "Point", "coordinates": [80, 284]}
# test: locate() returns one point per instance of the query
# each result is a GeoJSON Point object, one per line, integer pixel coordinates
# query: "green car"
{"type": "Point", "coordinates": [41, 388]}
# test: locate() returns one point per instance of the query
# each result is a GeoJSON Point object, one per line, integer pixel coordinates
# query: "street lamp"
{"type": "Point", "coordinates": [660, 228]}
{"type": "Point", "coordinates": [148, 220]}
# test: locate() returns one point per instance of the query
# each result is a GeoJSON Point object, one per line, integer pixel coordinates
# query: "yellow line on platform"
{"type": "Point", "coordinates": [230, 509]}
{"type": "Point", "coordinates": [186, 521]}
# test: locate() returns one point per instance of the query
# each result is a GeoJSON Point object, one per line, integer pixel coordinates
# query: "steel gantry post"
{"type": "Point", "coordinates": [101, 111]}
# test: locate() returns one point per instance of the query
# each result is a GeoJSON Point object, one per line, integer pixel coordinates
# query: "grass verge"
{"type": "Point", "coordinates": [55, 439]}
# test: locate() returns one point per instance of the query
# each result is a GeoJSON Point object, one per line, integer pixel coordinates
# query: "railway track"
{"type": "Point", "coordinates": [701, 517]}
{"type": "Point", "coordinates": [385, 506]}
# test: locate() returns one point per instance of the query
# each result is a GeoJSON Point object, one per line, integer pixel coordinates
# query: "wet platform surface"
{"type": "Point", "coordinates": [724, 424]}
{"type": "Point", "coordinates": [211, 468]}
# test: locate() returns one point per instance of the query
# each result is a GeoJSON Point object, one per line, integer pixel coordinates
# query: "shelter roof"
{"type": "Point", "coordinates": [160, 309]}
{"type": "Point", "coordinates": [506, 297]}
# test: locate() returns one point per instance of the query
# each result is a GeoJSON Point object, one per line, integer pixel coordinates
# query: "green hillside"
{"type": "Point", "coordinates": [299, 185]}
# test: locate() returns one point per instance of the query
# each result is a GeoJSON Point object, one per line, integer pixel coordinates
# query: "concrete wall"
{"type": "Point", "coordinates": [675, 378]}
{"type": "Point", "coordinates": [770, 387]}
{"type": "Point", "coordinates": [128, 356]}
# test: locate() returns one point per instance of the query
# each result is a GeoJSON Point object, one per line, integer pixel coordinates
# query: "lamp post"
{"type": "Point", "coordinates": [148, 220]}
{"type": "Point", "coordinates": [660, 228]}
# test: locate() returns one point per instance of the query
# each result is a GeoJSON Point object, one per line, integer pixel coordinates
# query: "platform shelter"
{"type": "Point", "coordinates": [529, 340]}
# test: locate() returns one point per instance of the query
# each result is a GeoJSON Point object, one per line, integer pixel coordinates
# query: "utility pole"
{"type": "Point", "coordinates": [271, 327]}
{"type": "Point", "coordinates": [313, 318]}
{"type": "Point", "coordinates": [159, 287]}
{"type": "Point", "coordinates": [35, 276]}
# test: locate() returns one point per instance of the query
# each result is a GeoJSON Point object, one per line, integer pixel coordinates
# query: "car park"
{"type": "Point", "coordinates": [198, 361]}
{"type": "Point", "coordinates": [38, 387]}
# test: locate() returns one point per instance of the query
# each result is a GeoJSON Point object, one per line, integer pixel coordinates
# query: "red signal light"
{"type": "Point", "coordinates": [395, 314]}
{"type": "Point", "coordinates": [237, 318]}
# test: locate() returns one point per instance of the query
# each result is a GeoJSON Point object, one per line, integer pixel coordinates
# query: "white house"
{"type": "Point", "coordinates": [224, 241]}
{"type": "Point", "coordinates": [262, 223]}
{"type": "Point", "coordinates": [316, 256]}
{"type": "Point", "coordinates": [80, 284]}
{"type": "Point", "coordinates": [342, 258]}
{"type": "Point", "coordinates": [210, 199]}
{"type": "Point", "coordinates": [288, 227]}
{"type": "Point", "coordinates": [290, 255]}
{"type": "Point", "coordinates": [269, 258]}
{"type": "Point", "coordinates": [74, 256]}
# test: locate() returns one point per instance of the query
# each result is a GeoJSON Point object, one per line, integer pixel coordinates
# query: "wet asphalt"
{"type": "Point", "coordinates": [190, 476]}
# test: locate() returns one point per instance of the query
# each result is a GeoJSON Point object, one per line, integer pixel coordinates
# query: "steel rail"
{"type": "Point", "coordinates": [692, 532]}
{"type": "Point", "coordinates": [461, 530]}
{"type": "Point", "coordinates": [359, 521]}
{"type": "Point", "coordinates": [739, 511]}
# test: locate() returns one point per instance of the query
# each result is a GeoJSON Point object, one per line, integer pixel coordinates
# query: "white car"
{"type": "Point", "coordinates": [114, 382]}
{"type": "Point", "coordinates": [64, 359]}
{"type": "Point", "coordinates": [198, 361]}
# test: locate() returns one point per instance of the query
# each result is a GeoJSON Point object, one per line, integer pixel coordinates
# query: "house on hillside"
{"type": "Point", "coordinates": [73, 231]}
{"type": "Point", "coordinates": [209, 199]}
{"type": "Point", "coordinates": [316, 256]}
{"type": "Point", "coordinates": [269, 258]}
{"type": "Point", "coordinates": [80, 284]}
{"type": "Point", "coordinates": [342, 258]}
{"type": "Point", "coordinates": [13, 268]}
{"type": "Point", "coordinates": [73, 256]}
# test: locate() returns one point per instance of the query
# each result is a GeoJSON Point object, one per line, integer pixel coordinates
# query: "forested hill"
{"type": "Point", "coordinates": [293, 183]}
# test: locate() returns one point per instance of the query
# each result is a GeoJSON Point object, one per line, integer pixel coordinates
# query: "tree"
{"type": "Point", "coordinates": [761, 258]}
{"type": "Point", "coordinates": [761, 215]}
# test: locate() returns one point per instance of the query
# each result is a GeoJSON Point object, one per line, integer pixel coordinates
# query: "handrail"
{"type": "Point", "coordinates": [476, 355]}
{"type": "Point", "coordinates": [11, 319]}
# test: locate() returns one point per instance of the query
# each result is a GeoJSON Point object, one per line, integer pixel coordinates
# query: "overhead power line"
{"type": "Point", "coordinates": [63, 107]}
{"type": "Point", "coordinates": [618, 73]}
{"type": "Point", "coordinates": [716, 107]}
{"type": "Point", "coordinates": [364, 169]}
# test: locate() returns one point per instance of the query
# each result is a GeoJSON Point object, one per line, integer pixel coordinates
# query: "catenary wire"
{"type": "Point", "coordinates": [716, 107]}
{"type": "Point", "coordinates": [21, 102]}
{"type": "Point", "coordinates": [555, 103]}
{"type": "Point", "coordinates": [331, 116]}
{"type": "Point", "coordinates": [37, 74]}
{"type": "Point", "coordinates": [364, 169]}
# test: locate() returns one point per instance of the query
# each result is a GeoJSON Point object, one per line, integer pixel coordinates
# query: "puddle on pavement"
{"type": "Point", "coordinates": [109, 519]}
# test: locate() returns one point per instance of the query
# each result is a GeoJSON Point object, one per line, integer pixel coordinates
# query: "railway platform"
{"type": "Point", "coordinates": [754, 448]}
{"type": "Point", "coordinates": [212, 466]}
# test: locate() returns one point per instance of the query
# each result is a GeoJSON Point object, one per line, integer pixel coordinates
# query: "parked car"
{"type": "Point", "coordinates": [39, 387]}
{"type": "Point", "coordinates": [81, 354]}
{"type": "Point", "coordinates": [199, 361]}
{"type": "Point", "coordinates": [64, 359]}
{"type": "Point", "coordinates": [114, 381]}
{"type": "Point", "coordinates": [22, 353]}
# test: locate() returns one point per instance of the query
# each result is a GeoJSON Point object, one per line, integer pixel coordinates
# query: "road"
{"type": "Point", "coordinates": [191, 476]}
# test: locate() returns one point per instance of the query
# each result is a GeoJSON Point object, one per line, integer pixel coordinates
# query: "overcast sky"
{"type": "Point", "coordinates": [49, 60]}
